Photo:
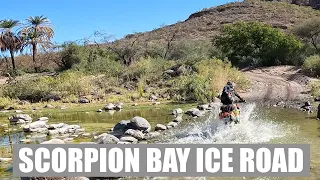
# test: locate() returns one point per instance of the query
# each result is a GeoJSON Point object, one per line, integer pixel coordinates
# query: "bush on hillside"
{"type": "Point", "coordinates": [255, 43]}
{"type": "Point", "coordinates": [309, 32]}
{"type": "Point", "coordinates": [5, 102]}
{"type": "Point", "coordinates": [146, 69]}
{"type": "Point", "coordinates": [208, 78]}
{"type": "Point", "coordinates": [311, 65]}
{"type": "Point", "coordinates": [69, 56]}
{"type": "Point", "coordinates": [36, 89]}
{"type": "Point", "coordinates": [91, 60]}
{"type": "Point", "coordinates": [186, 50]}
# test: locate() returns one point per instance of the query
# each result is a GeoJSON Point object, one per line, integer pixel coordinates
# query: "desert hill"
{"type": "Point", "coordinates": [207, 23]}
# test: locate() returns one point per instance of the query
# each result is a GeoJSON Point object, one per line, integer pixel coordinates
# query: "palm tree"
{"type": "Point", "coordinates": [9, 41]}
{"type": "Point", "coordinates": [38, 31]}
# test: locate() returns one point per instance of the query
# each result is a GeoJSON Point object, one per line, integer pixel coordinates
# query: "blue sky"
{"type": "Point", "coordinates": [74, 20]}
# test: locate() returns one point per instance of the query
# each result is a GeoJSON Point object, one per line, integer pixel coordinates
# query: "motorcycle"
{"type": "Point", "coordinates": [230, 113]}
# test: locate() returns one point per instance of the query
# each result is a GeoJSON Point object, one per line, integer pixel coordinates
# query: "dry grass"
{"type": "Point", "coordinates": [207, 23]}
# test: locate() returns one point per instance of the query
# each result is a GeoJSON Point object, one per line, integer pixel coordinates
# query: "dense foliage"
{"type": "Point", "coordinates": [309, 32]}
{"type": "Point", "coordinates": [254, 43]}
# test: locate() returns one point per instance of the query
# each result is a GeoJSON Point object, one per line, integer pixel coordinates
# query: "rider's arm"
{"type": "Point", "coordinates": [235, 93]}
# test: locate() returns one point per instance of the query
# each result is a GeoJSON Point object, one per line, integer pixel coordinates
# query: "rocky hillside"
{"type": "Point", "coordinates": [313, 3]}
{"type": "Point", "coordinates": [206, 23]}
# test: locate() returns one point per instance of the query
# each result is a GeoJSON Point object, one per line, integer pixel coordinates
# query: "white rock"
{"type": "Point", "coordinates": [5, 159]}
{"type": "Point", "coordinates": [54, 141]}
{"type": "Point", "coordinates": [43, 119]}
{"type": "Point", "coordinates": [68, 139]}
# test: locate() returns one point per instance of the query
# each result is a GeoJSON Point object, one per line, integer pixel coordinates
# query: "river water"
{"type": "Point", "coordinates": [258, 125]}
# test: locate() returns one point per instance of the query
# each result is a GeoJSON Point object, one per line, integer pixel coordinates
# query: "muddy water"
{"type": "Point", "coordinates": [258, 125]}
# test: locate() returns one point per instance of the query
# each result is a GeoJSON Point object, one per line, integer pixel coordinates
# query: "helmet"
{"type": "Point", "coordinates": [231, 83]}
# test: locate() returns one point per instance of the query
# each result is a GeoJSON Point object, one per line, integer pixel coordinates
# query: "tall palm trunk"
{"type": "Point", "coordinates": [34, 53]}
{"type": "Point", "coordinates": [12, 60]}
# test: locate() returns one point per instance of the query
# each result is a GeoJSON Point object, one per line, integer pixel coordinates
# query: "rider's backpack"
{"type": "Point", "coordinates": [227, 92]}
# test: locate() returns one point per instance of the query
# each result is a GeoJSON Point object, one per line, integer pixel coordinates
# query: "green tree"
{"type": "Point", "coordinates": [309, 31]}
{"type": "Point", "coordinates": [9, 41]}
{"type": "Point", "coordinates": [38, 32]}
{"type": "Point", "coordinates": [257, 43]}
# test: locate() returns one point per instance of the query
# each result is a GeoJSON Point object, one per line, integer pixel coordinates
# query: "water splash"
{"type": "Point", "coordinates": [252, 129]}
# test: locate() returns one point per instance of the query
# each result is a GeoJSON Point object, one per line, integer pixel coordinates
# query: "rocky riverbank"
{"type": "Point", "coordinates": [135, 130]}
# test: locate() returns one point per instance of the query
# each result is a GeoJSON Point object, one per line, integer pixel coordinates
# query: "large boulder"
{"type": "Point", "coordinates": [20, 118]}
{"type": "Point", "coordinates": [40, 130]}
{"type": "Point", "coordinates": [204, 107]}
{"type": "Point", "coordinates": [53, 132]}
{"type": "Point", "coordinates": [140, 123]}
{"type": "Point", "coordinates": [129, 139]}
{"type": "Point", "coordinates": [74, 127]}
{"type": "Point", "coordinates": [106, 138]}
{"type": "Point", "coordinates": [5, 160]}
{"type": "Point", "coordinates": [134, 133]}
{"type": "Point", "coordinates": [48, 106]}
{"type": "Point", "coordinates": [195, 112]}
{"type": "Point", "coordinates": [160, 127]}
{"type": "Point", "coordinates": [170, 72]}
{"type": "Point", "coordinates": [177, 111]}
{"type": "Point", "coordinates": [83, 100]}
{"type": "Point", "coordinates": [151, 135]}
{"type": "Point", "coordinates": [153, 97]}
{"type": "Point", "coordinates": [79, 131]}
{"type": "Point", "coordinates": [43, 119]}
{"type": "Point", "coordinates": [172, 125]}
{"type": "Point", "coordinates": [178, 119]}
{"type": "Point", "coordinates": [118, 106]}
{"type": "Point", "coordinates": [214, 105]}
{"type": "Point", "coordinates": [307, 107]}
{"type": "Point", "coordinates": [122, 127]}
{"type": "Point", "coordinates": [37, 126]}
{"type": "Point", "coordinates": [57, 126]}
{"type": "Point", "coordinates": [64, 130]}
{"type": "Point", "coordinates": [109, 107]}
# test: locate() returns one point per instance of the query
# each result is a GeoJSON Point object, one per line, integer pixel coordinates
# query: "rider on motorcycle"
{"type": "Point", "coordinates": [228, 109]}
{"type": "Point", "coordinates": [228, 93]}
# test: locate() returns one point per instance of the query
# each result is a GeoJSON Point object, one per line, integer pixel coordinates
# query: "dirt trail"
{"type": "Point", "coordinates": [272, 84]}
{"type": "Point", "coordinates": [279, 83]}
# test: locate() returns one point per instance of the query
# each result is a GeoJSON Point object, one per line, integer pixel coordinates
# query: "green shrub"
{"type": "Point", "coordinates": [146, 69]}
{"type": "Point", "coordinates": [315, 89]}
{"type": "Point", "coordinates": [5, 102]}
{"type": "Point", "coordinates": [207, 80]}
{"type": "Point", "coordinates": [309, 31]}
{"type": "Point", "coordinates": [69, 56]}
{"type": "Point", "coordinates": [35, 89]}
{"type": "Point", "coordinates": [73, 83]}
{"type": "Point", "coordinates": [255, 43]}
{"type": "Point", "coordinates": [311, 65]}
{"type": "Point", "coordinates": [187, 50]}
{"type": "Point", "coordinates": [32, 89]}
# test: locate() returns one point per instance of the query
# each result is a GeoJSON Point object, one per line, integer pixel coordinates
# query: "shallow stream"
{"type": "Point", "coordinates": [258, 125]}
